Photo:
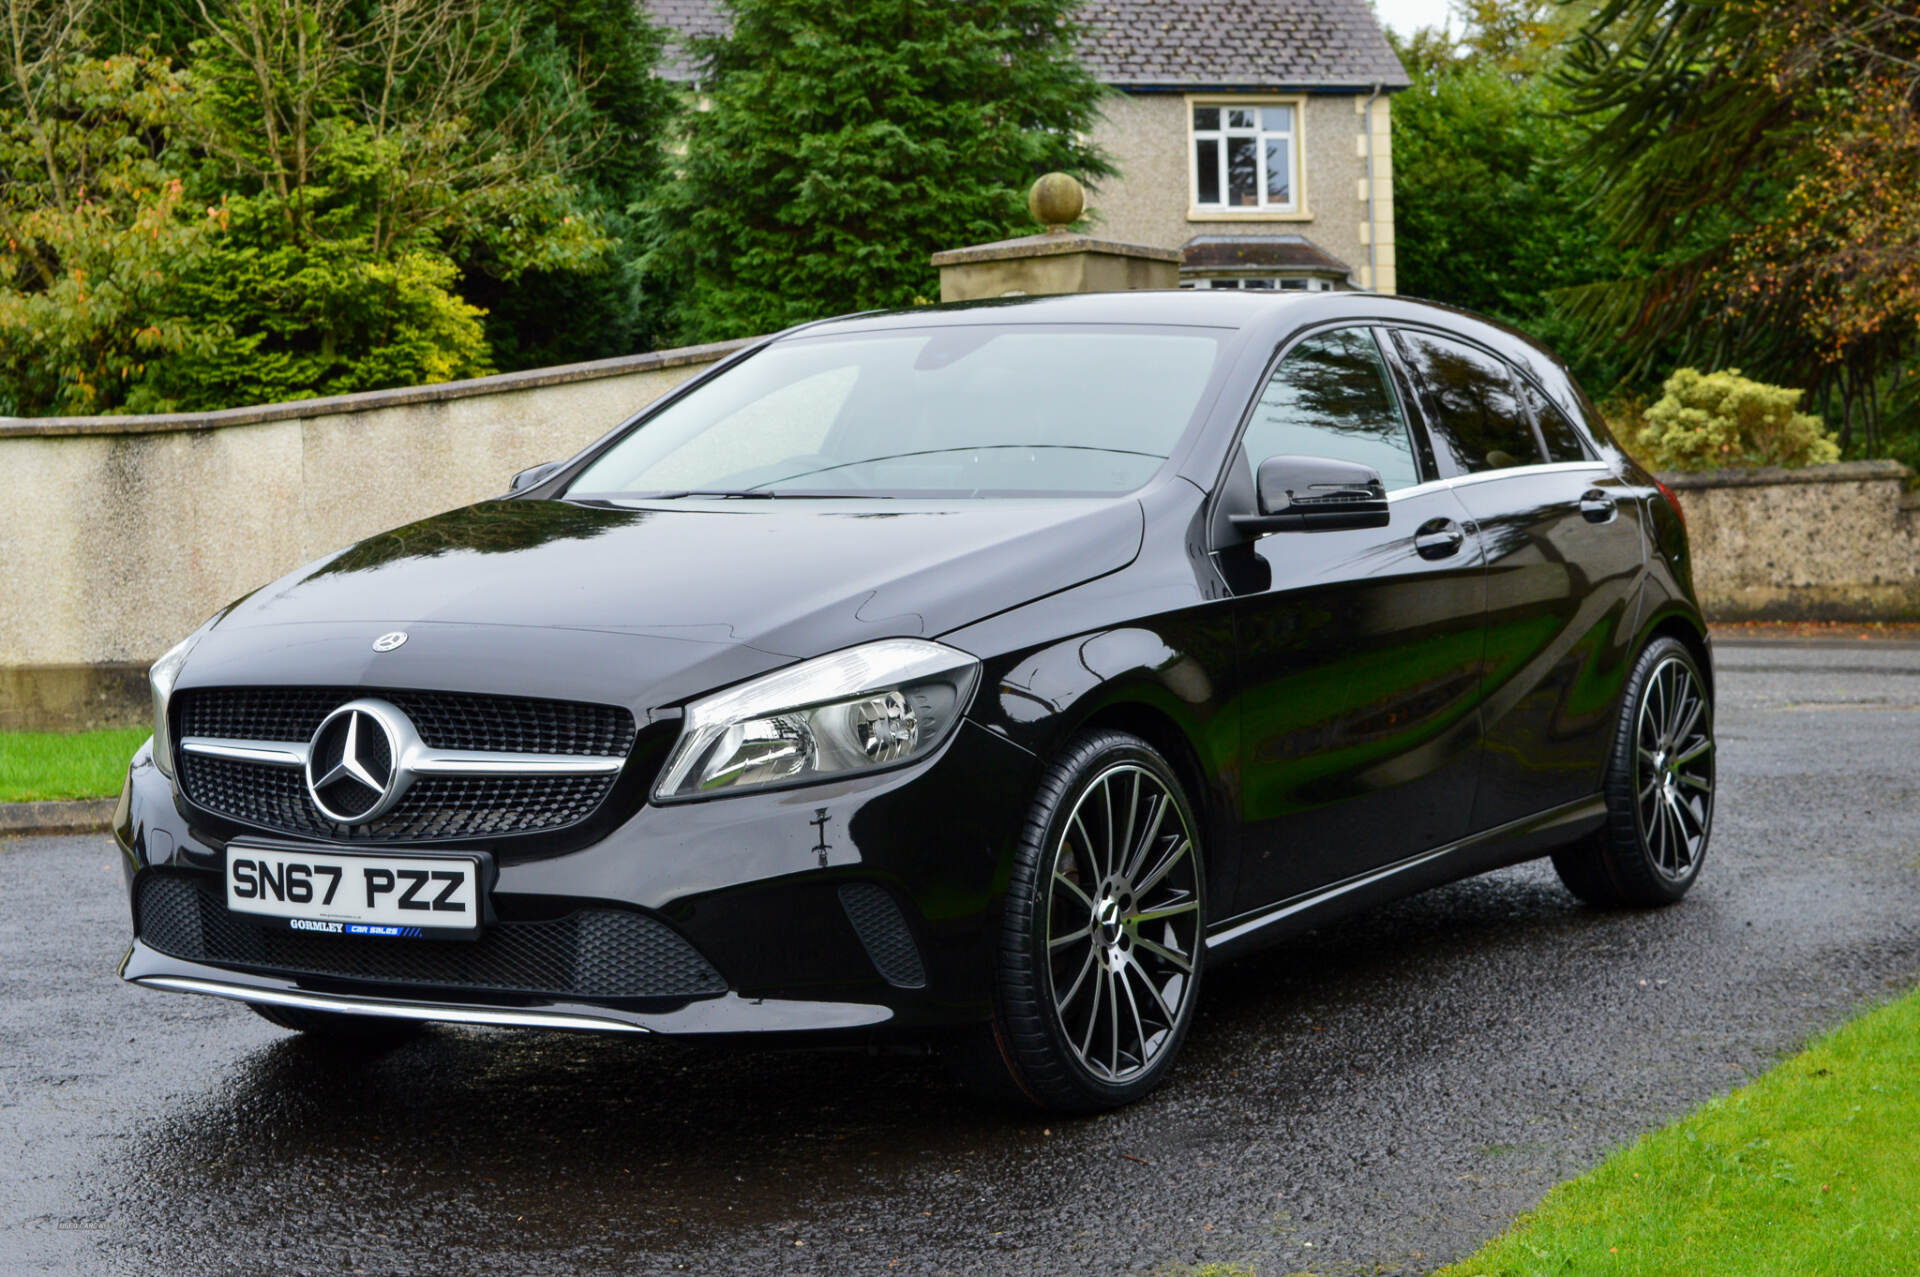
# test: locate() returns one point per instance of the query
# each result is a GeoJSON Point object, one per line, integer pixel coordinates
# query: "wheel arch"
{"type": "Point", "coordinates": [1690, 632]}
{"type": "Point", "coordinates": [1158, 728]}
{"type": "Point", "coordinates": [1172, 741]}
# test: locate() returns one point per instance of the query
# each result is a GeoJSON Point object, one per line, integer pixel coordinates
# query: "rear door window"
{"type": "Point", "coordinates": [1331, 397]}
{"type": "Point", "coordinates": [1472, 404]}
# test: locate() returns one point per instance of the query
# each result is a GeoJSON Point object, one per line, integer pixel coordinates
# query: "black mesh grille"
{"type": "Point", "coordinates": [883, 931]}
{"type": "Point", "coordinates": [591, 953]}
{"type": "Point", "coordinates": [445, 720]}
{"type": "Point", "coordinates": [435, 808]}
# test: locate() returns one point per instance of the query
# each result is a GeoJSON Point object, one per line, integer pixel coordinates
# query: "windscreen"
{"type": "Point", "coordinates": [951, 411]}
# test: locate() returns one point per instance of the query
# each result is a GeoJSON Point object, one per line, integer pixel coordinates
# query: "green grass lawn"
{"type": "Point", "coordinates": [1812, 1169]}
{"type": "Point", "coordinates": [41, 766]}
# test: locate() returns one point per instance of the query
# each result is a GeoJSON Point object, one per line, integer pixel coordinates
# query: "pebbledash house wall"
{"type": "Point", "coordinates": [1148, 136]}
{"type": "Point", "coordinates": [124, 533]}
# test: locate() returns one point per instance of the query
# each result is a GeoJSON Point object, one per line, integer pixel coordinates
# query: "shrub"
{"type": "Point", "coordinates": [326, 319]}
{"type": "Point", "coordinates": [1626, 416]}
{"type": "Point", "coordinates": [95, 226]}
{"type": "Point", "coordinates": [1704, 421]}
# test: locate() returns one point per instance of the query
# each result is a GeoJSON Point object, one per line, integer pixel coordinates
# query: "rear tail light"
{"type": "Point", "coordinates": [1673, 501]}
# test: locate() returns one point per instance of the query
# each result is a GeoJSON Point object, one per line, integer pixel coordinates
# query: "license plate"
{"type": "Point", "coordinates": [358, 895]}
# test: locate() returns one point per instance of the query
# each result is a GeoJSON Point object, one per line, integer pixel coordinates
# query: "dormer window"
{"type": "Point", "coordinates": [1246, 156]}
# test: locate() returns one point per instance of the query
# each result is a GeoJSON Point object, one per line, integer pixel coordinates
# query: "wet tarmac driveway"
{"type": "Point", "coordinates": [1380, 1096]}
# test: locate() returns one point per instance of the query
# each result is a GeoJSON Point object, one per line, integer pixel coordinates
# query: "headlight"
{"type": "Point", "coordinates": [161, 678]}
{"type": "Point", "coordinates": [878, 705]}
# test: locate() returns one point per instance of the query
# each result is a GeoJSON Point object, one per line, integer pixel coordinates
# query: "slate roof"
{"type": "Point", "coordinates": [1180, 44]}
{"type": "Point", "coordinates": [1296, 44]}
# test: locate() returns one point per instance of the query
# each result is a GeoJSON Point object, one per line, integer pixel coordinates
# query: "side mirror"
{"type": "Point", "coordinates": [1315, 494]}
{"type": "Point", "coordinates": [533, 476]}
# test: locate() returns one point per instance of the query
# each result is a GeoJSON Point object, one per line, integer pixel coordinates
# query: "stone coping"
{"type": "Point", "coordinates": [1767, 476]}
{"type": "Point", "coordinates": [1051, 245]}
{"type": "Point", "coordinates": [85, 817]}
{"type": "Point", "coordinates": [369, 400]}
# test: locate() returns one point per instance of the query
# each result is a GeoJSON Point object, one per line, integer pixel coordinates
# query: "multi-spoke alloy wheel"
{"type": "Point", "coordinates": [1101, 951]}
{"type": "Point", "coordinates": [1659, 789]}
{"type": "Point", "coordinates": [1673, 769]}
{"type": "Point", "coordinates": [1123, 922]}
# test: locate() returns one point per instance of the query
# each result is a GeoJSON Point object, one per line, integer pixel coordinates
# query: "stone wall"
{"type": "Point", "coordinates": [1838, 542]}
{"type": "Point", "coordinates": [121, 534]}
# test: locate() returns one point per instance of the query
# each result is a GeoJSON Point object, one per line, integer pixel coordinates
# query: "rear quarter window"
{"type": "Point", "coordinates": [1556, 431]}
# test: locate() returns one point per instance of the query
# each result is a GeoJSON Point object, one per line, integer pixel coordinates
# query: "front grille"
{"type": "Point", "coordinates": [876, 918]}
{"type": "Point", "coordinates": [589, 954]}
{"type": "Point", "coordinates": [445, 720]}
{"type": "Point", "coordinates": [435, 808]}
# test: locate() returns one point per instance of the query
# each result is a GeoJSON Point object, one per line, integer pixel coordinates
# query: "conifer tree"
{"type": "Point", "coordinates": [840, 143]}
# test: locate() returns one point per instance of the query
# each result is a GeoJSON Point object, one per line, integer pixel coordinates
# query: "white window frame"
{"type": "Point", "coordinates": [1261, 283]}
{"type": "Point", "coordinates": [1294, 209]}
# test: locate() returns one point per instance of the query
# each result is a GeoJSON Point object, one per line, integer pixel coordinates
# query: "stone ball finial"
{"type": "Point", "coordinates": [1056, 201]}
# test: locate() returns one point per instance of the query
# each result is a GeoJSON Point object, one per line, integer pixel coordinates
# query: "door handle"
{"type": "Point", "coordinates": [1438, 538]}
{"type": "Point", "coordinates": [1596, 506]}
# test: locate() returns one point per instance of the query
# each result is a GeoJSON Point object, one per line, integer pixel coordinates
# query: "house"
{"type": "Point", "coordinates": [1252, 135]}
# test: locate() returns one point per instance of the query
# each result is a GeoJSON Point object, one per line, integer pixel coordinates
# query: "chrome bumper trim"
{"type": "Point", "coordinates": [508, 1017]}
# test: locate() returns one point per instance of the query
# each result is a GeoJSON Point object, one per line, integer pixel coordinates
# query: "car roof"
{"type": "Point", "coordinates": [1269, 311]}
{"type": "Point", "coordinates": [1210, 307]}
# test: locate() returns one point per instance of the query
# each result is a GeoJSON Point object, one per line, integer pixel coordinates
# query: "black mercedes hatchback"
{"type": "Point", "coordinates": [973, 675]}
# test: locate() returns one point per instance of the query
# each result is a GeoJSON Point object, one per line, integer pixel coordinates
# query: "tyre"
{"type": "Point", "coordinates": [1659, 789]}
{"type": "Point", "coordinates": [369, 1031]}
{"type": "Point", "coordinates": [1100, 956]}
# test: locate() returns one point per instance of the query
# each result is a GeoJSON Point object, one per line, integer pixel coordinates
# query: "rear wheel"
{"type": "Point", "coordinates": [372, 1032]}
{"type": "Point", "coordinates": [1100, 952]}
{"type": "Point", "coordinates": [1659, 789]}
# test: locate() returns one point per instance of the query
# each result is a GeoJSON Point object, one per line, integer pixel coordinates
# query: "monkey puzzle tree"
{"type": "Point", "coordinates": [1766, 155]}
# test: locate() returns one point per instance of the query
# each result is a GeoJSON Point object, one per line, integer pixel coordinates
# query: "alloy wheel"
{"type": "Point", "coordinates": [1673, 769]}
{"type": "Point", "coordinates": [1123, 922]}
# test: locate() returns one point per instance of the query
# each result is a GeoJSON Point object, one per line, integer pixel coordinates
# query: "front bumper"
{"type": "Point", "coordinates": [867, 905]}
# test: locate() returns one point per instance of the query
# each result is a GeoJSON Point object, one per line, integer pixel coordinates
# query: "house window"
{"type": "Point", "coordinates": [1290, 284]}
{"type": "Point", "coordinates": [1246, 157]}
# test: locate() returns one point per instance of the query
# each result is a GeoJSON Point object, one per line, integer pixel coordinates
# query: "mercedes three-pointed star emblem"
{"type": "Point", "coordinates": [354, 772]}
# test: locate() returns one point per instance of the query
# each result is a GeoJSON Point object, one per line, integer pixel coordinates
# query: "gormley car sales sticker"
{"type": "Point", "coordinates": [352, 929]}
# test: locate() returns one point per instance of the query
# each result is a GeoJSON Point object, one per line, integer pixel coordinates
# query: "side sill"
{"type": "Point", "coordinates": [1506, 844]}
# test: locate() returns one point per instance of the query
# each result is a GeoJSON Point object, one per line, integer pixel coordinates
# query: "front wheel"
{"type": "Point", "coordinates": [1100, 953]}
{"type": "Point", "coordinates": [1659, 789]}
